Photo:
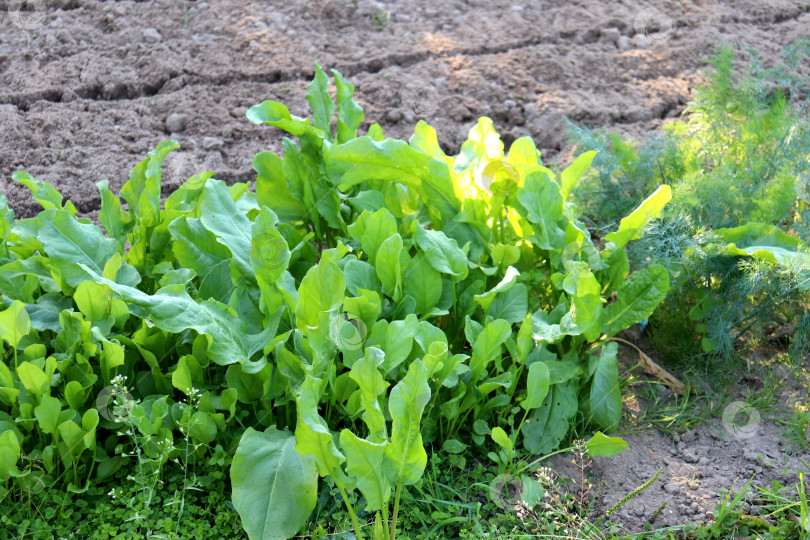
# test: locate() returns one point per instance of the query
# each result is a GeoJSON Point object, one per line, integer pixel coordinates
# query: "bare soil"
{"type": "Point", "coordinates": [88, 87]}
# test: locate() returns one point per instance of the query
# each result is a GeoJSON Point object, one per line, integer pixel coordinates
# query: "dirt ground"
{"type": "Point", "coordinates": [88, 87]}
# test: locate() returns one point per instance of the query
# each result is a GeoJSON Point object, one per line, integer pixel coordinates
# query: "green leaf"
{"type": "Point", "coordinates": [501, 439]}
{"type": "Point", "coordinates": [323, 108]}
{"type": "Point", "coordinates": [277, 115]}
{"type": "Point", "coordinates": [488, 346]}
{"type": "Point", "coordinates": [274, 487]}
{"type": "Point", "coordinates": [361, 275]}
{"type": "Point", "coordinates": [453, 446]}
{"type": "Point", "coordinates": [365, 460]}
{"type": "Point", "coordinates": [74, 395]}
{"type": "Point", "coordinates": [605, 394]}
{"type": "Point", "coordinates": [322, 291]}
{"type": "Point", "coordinates": [636, 299]}
{"type": "Point", "coordinates": [35, 380]}
{"type": "Point", "coordinates": [181, 376]}
{"type": "Point", "coordinates": [442, 252]}
{"type": "Point", "coordinates": [195, 246]}
{"type": "Point", "coordinates": [541, 197]}
{"type": "Point", "coordinates": [365, 159]}
{"type": "Point", "coordinates": [370, 382]}
{"type": "Point", "coordinates": [537, 384]}
{"type": "Point", "coordinates": [70, 244]}
{"type": "Point", "coordinates": [14, 324]}
{"type": "Point", "coordinates": [762, 241]}
{"type": "Point", "coordinates": [631, 226]}
{"type": "Point", "coordinates": [312, 435]}
{"type": "Point", "coordinates": [47, 414]}
{"type": "Point", "coordinates": [43, 192]}
{"type": "Point", "coordinates": [111, 216]}
{"type": "Point", "coordinates": [569, 178]}
{"type": "Point", "coordinates": [548, 425]}
{"type": "Point", "coordinates": [9, 455]}
{"type": "Point", "coordinates": [405, 457]}
{"type": "Point", "coordinates": [219, 214]}
{"type": "Point", "coordinates": [423, 283]}
{"type": "Point", "coordinates": [350, 114]}
{"type": "Point", "coordinates": [272, 190]}
{"type": "Point", "coordinates": [389, 267]}
{"type": "Point", "coordinates": [601, 445]}
{"type": "Point", "coordinates": [171, 309]}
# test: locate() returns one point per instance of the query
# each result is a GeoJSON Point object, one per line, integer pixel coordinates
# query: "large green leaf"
{"type": "Point", "coordinates": [171, 309]}
{"type": "Point", "coordinates": [364, 159]}
{"type": "Point", "coordinates": [370, 382]}
{"type": "Point", "coordinates": [323, 108]}
{"type": "Point", "coordinates": [423, 283]}
{"type": "Point", "coordinates": [405, 456]}
{"type": "Point", "coordinates": [365, 461]}
{"type": "Point", "coordinates": [605, 394]}
{"type": "Point", "coordinates": [764, 242]}
{"type": "Point", "coordinates": [487, 346]}
{"type": "Point", "coordinates": [569, 178]}
{"type": "Point", "coordinates": [195, 246]}
{"type": "Point", "coordinates": [540, 196]}
{"type": "Point", "coordinates": [537, 384]}
{"type": "Point", "coordinates": [70, 244]}
{"type": "Point", "coordinates": [14, 324]}
{"type": "Point", "coordinates": [219, 214]}
{"type": "Point", "coordinates": [274, 487]}
{"type": "Point", "coordinates": [442, 252]}
{"type": "Point", "coordinates": [350, 114]}
{"type": "Point", "coordinates": [312, 435]}
{"type": "Point", "coordinates": [548, 425]}
{"type": "Point", "coordinates": [651, 208]}
{"type": "Point", "coordinates": [636, 299]}
{"type": "Point", "coordinates": [43, 192]}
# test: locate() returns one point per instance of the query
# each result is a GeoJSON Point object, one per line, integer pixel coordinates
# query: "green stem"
{"type": "Point", "coordinates": [357, 532]}
{"type": "Point", "coordinates": [396, 511]}
{"type": "Point", "coordinates": [386, 532]}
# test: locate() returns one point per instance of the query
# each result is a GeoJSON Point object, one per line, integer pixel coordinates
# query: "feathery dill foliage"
{"type": "Point", "coordinates": [740, 155]}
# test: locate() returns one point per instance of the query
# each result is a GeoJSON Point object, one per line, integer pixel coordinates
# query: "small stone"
{"type": "Point", "coordinates": [690, 456]}
{"type": "Point", "coordinates": [210, 143]}
{"type": "Point", "coordinates": [610, 35]}
{"type": "Point", "coordinates": [623, 43]}
{"type": "Point", "coordinates": [176, 123]}
{"type": "Point", "coordinates": [238, 112]}
{"type": "Point", "coordinates": [688, 437]}
{"type": "Point", "coordinates": [152, 36]}
{"type": "Point", "coordinates": [393, 116]}
{"type": "Point", "coordinates": [641, 41]}
{"type": "Point", "coordinates": [672, 489]}
{"type": "Point", "coordinates": [516, 117]}
{"type": "Point", "coordinates": [68, 96]}
{"type": "Point", "coordinates": [695, 507]}
{"type": "Point", "coordinates": [676, 438]}
{"type": "Point", "coordinates": [640, 511]}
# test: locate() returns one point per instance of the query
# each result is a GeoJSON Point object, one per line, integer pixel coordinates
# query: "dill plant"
{"type": "Point", "coordinates": [740, 155]}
